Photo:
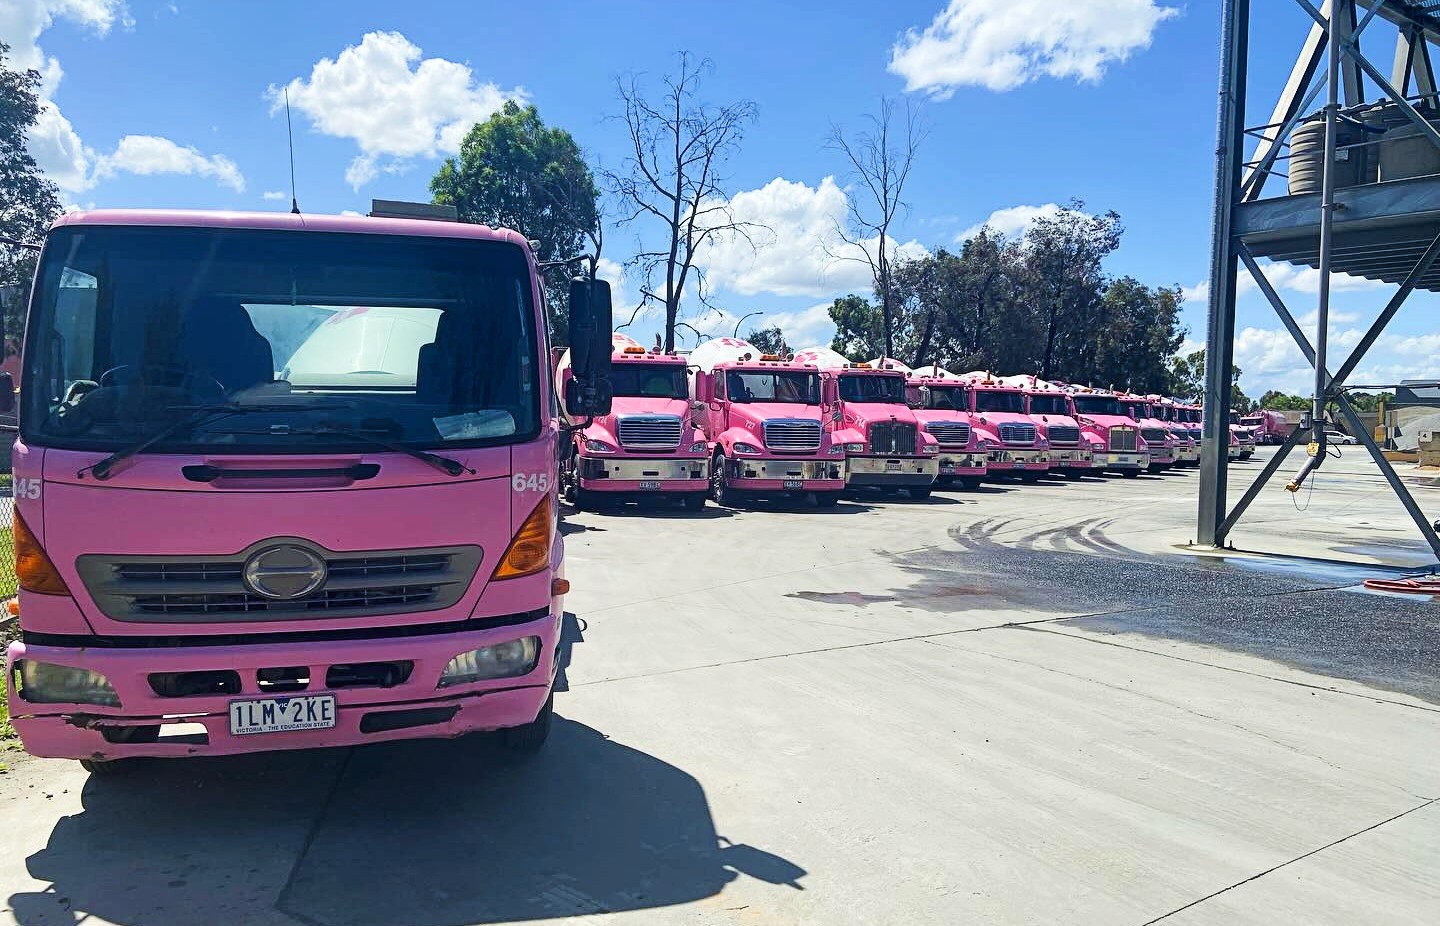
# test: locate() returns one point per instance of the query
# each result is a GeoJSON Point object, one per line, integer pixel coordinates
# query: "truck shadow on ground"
{"type": "Point", "coordinates": [421, 833]}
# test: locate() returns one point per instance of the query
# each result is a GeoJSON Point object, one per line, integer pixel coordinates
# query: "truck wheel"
{"type": "Point", "coordinates": [723, 495]}
{"type": "Point", "coordinates": [827, 499]}
{"type": "Point", "coordinates": [1130, 473]}
{"type": "Point", "coordinates": [108, 768]}
{"type": "Point", "coordinates": [919, 494]}
{"type": "Point", "coordinates": [1029, 476]}
{"type": "Point", "coordinates": [971, 483]}
{"type": "Point", "coordinates": [693, 501]}
{"type": "Point", "coordinates": [1072, 473]}
{"type": "Point", "coordinates": [527, 739]}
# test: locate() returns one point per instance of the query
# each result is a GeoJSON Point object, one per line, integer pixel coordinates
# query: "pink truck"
{"type": "Point", "coordinates": [1107, 423]}
{"type": "Point", "coordinates": [941, 402]}
{"type": "Point", "coordinates": [1187, 443]}
{"type": "Point", "coordinates": [1244, 437]}
{"type": "Point", "coordinates": [1072, 453]}
{"type": "Point", "coordinates": [763, 421]}
{"type": "Point", "coordinates": [1017, 447]}
{"type": "Point", "coordinates": [866, 414]}
{"type": "Point", "coordinates": [1268, 426]}
{"type": "Point", "coordinates": [217, 554]}
{"type": "Point", "coordinates": [649, 444]}
{"type": "Point", "coordinates": [1154, 432]}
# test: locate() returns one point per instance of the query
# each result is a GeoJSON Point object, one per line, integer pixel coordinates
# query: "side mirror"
{"type": "Point", "coordinates": [589, 392]}
{"type": "Point", "coordinates": [7, 394]}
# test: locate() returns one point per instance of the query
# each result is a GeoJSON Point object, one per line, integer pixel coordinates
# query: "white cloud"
{"type": "Point", "coordinates": [1012, 221]}
{"type": "Point", "coordinates": [1288, 277]}
{"type": "Point", "coordinates": [350, 212]}
{"type": "Point", "coordinates": [1001, 46]}
{"type": "Point", "coordinates": [274, 195]}
{"type": "Point", "coordinates": [803, 328]}
{"type": "Point", "coordinates": [794, 248]}
{"type": "Point", "coordinates": [150, 154]}
{"type": "Point", "coordinates": [392, 102]}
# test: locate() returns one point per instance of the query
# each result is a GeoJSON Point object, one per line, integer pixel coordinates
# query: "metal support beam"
{"type": "Point", "coordinates": [1354, 84]}
{"type": "Point", "coordinates": [1260, 482]}
{"type": "Point", "coordinates": [1220, 349]}
{"type": "Point", "coordinates": [1427, 529]}
{"type": "Point", "coordinates": [1288, 109]}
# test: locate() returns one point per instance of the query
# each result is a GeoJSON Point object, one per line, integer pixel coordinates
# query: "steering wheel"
{"type": "Point", "coordinates": [176, 377]}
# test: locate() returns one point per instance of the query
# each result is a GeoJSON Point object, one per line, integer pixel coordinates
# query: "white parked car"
{"type": "Point", "coordinates": [1336, 437]}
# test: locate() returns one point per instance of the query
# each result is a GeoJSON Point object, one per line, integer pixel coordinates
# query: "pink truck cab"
{"type": "Point", "coordinates": [1072, 453]}
{"type": "Point", "coordinates": [1268, 426]}
{"type": "Point", "coordinates": [866, 414]}
{"type": "Point", "coordinates": [941, 403]}
{"type": "Point", "coordinates": [1164, 448]}
{"type": "Point", "coordinates": [649, 444]}
{"type": "Point", "coordinates": [1244, 437]}
{"type": "Point", "coordinates": [1016, 445]}
{"type": "Point", "coordinates": [216, 558]}
{"type": "Point", "coordinates": [1187, 445]}
{"type": "Point", "coordinates": [763, 420]}
{"type": "Point", "coordinates": [1106, 422]}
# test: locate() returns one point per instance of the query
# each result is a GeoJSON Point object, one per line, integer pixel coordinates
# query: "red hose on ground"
{"type": "Point", "coordinates": [1413, 586]}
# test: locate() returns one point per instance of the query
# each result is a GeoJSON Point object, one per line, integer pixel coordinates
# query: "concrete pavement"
{"type": "Point", "coordinates": [1021, 705]}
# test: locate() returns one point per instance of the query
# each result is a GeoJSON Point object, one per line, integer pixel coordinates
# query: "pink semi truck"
{"type": "Point", "coordinates": [941, 402]}
{"type": "Point", "coordinates": [649, 443]}
{"type": "Point", "coordinates": [1106, 422]}
{"type": "Point", "coordinates": [1071, 453]}
{"type": "Point", "coordinates": [1155, 432]}
{"type": "Point", "coordinates": [1017, 447]}
{"type": "Point", "coordinates": [1268, 426]}
{"type": "Point", "coordinates": [214, 558]}
{"type": "Point", "coordinates": [1187, 444]}
{"type": "Point", "coordinates": [763, 420]}
{"type": "Point", "coordinates": [866, 414]}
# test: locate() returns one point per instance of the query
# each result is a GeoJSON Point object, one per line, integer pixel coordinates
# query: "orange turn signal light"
{"type": "Point", "coordinates": [529, 551]}
{"type": "Point", "coordinates": [559, 586]}
{"type": "Point", "coordinates": [32, 566]}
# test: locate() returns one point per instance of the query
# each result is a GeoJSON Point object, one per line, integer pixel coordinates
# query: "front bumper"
{"type": "Point", "coordinates": [412, 708]}
{"type": "Point", "coordinates": [892, 472]}
{"type": "Point", "coordinates": [752, 474]}
{"type": "Point", "coordinates": [1127, 460]}
{"type": "Point", "coordinates": [1188, 455]}
{"type": "Point", "coordinates": [1071, 458]}
{"type": "Point", "coordinates": [1016, 460]}
{"type": "Point", "coordinates": [672, 475]}
{"type": "Point", "coordinates": [962, 464]}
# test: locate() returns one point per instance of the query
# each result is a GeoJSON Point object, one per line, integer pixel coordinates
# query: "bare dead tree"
{"type": "Point", "coordinates": [880, 159]}
{"type": "Point", "coordinates": [672, 180]}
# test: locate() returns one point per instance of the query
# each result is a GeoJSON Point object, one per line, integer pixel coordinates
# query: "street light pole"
{"type": "Point", "coordinates": [742, 321]}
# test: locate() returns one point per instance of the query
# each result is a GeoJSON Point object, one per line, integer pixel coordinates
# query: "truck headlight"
{"type": "Point", "coordinates": [854, 448]}
{"type": "Point", "coordinates": [598, 446]}
{"type": "Point", "coordinates": [1042, 444]}
{"type": "Point", "coordinates": [503, 660]}
{"type": "Point", "coordinates": [982, 444]}
{"type": "Point", "coordinates": [47, 683]}
{"type": "Point", "coordinates": [741, 447]}
{"type": "Point", "coordinates": [699, 447]}
{"type": "Point", "coordinates": [929, 448]}
{"type": "Point", "coordinates": [837, 450]}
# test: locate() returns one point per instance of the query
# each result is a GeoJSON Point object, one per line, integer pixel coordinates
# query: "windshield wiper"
{"type": "Point", "coordinates": [200, 414]}
{"type": "Point", "coordinates": [446, 465]}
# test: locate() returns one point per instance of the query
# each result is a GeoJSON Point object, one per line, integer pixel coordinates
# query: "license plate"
{"type": "Point", "coordinates": [649, 484]}
{"type": "Point", "coordinates": [892, 466]}
{"type": "Point", "coordinates": [793, 483]}
{"type": "Point", "coordinates": [282, 715]}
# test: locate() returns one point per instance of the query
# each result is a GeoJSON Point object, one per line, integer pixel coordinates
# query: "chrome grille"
{"type": "Point", "coordinates": [1063, 434]}
{"type": "Point", "coordinates": [897, 437]}
{"type": "Point", "coordinates": [950, 433]}
{"type": "Point", "coordinates": [1122, 439]}
{"type": "Point", "coordinates": [361, 584]}
{"type": "Point", "coordinates": [1012, 433]}
{"type": "Point", "coordinates": [649, 432]}
{"type": "Point", "coordinates": [793, 435]}
{"type": "Point", "coordinates": [1154, 435]}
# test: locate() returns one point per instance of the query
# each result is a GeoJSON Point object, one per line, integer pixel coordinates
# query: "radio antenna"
{"type": "Point", "coordinates": [290, 137]}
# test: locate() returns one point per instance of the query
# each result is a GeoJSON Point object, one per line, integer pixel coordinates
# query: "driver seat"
{"type": "Point", "coordinates": [218, 340]}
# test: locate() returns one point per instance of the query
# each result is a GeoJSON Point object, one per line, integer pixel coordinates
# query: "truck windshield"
{"type": "Point", "coordinates": [773, 386]}
{"type": "Point", "coordinates": [1049, 405]}
{"type": "Point", "coordinates": [424, 341]}
{"type": "Point", "coordinates": [987, 400]}
{"type": "Point", "coordinates": [868, 387]}
{"type": "Point", "coordinates": [1098, 405]}
{"type": "Point", "coordinates": [1252, 421]}
{"type": "Point", "coordinates": [1135, 410]}
{"type": "Point", "coordinates": [649, 380]}
{"type": "Point", "coordinates": [944, 398]}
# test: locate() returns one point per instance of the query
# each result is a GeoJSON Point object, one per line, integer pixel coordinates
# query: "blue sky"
{"type": "Point", "coordinates": [171, 103]}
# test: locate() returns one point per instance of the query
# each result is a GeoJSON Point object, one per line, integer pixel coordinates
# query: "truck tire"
{"type": "Point", "coordinates": [919, 494]}
{"type": "Point", "coordinates": [723, 495]}
{"type": "Point", "coordinates": [1029, 476]}
{"type": "Point", "coordinates": [1130, 473]}
{"type": "Point", "coordinates": [827, 499]}
{"type": "Point", "coordinates": [693, 501]}
{"type": "Point", "coordinates": [971, 483]}
{"type": "Point", "coordinates": [108, 768]}
{"type": "Point", "coordinates": [526, 740]}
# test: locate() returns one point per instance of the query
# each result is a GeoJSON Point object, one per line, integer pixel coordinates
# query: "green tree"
{"type": "Point", "coordinates": [859, 331]}
{"type": "Point", "coordinates": [768, 340]}
{"type": "Point", "coordinates": [1280, 401]}
{"type": "Point", "coordinates": [1134, 333]}
{"type": "Point", "coordinates": [516, 172]}
{"type": "Point", "coordinates": [28, 202]}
